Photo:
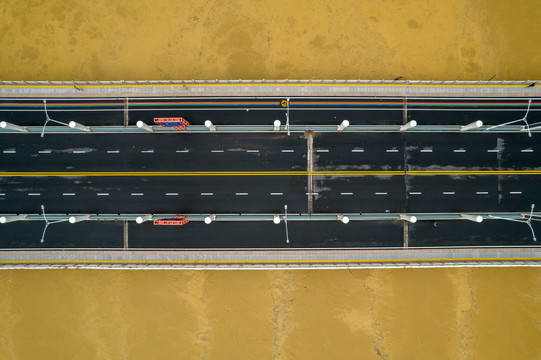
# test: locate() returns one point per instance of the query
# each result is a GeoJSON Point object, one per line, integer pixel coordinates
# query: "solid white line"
{"type": "Point", "coordinates": [288, 151]}
{"type": "Point", "coordinates": [241, 194]}
{"type": "Point", "coordinates": [392, 150]}
{"type": "Point", "coordinates": [44, 152]}
{"type": "Point", "coordinates": [147, 151]}
{"type": "Point", "coordinates": [171, 194]}
{"type": "Point", "coordinates": [381, 193]}
{"type": "Point", "coordinates": [34, 194]}
{"type": "Point", "coordinates": [252, 151]}
{"type": "Point", "coordinates": [493, 150]}
{"type": "Point", "coordinates": [357, 150]}
{"type": "Point", "coordinates": [346, 193]}
{"type": "Point", "coordinates": [426, 150]}
{"type": "Point", "coordinates": [277, 193]}
{"type": "Point", "coordinates": [526, 150]}
{"type": "Point", "coordinates": [9, 151]}
{"type": "Point", "coordinates": [515, 192]}
{"type": "Point", "coordinates": [217, 151]}
{"type": "Point", "coordinates": [137, 194]}
{"type": "Point", "coordinates": [68, 194]}
{"type": "Point", "coordinates": [481, 192]}
{"type": "Point", "coordinates": [182, 151]}
{"type": "Point", "coordinates": [415, 193]}
{"type": "Point", "coordinates": [459, 150]}
{"type": "Point", "coordinates": [103, 194]}
{"type": "Point", "coordinates": [207, 194]}
{"type": "Point", "coordinates": [79, 151]}
{"type": "Point", "coordinates": [113, 151]}
{"type": "Point", "coordinates": [448, 193]}
{"type": "Point", "coordinates": [322, 150]}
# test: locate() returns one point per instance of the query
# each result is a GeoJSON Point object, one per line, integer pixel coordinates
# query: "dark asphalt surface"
{"type": "Point", "coordinates": [339, 193]}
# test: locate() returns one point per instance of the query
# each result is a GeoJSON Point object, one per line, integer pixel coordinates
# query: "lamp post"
{"type": "Point", "coordinates": [344, 124]}
{"type": "Point", "coordinates": [142, 125]}
{"type": "Point", "coordinates": [408, 125]}
{"type": "Point", "coordinates": [210, 125]}
{"type": "Point", "coordinates": [10, 126]}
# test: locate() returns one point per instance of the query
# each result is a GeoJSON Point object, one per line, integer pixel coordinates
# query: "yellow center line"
{"type": "Point", "coordinates": [263, 173]}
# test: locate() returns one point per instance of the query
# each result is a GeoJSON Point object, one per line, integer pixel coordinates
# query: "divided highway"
{"type": "Point", "coordinates": [311, 172]}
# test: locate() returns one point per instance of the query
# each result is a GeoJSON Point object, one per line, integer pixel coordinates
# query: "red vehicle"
{"type": "Point", "coordinates": [176, 123]}
{"type": "Point", "coordinates": [176, 220]}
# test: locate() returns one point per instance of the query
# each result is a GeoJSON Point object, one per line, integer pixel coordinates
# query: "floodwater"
{"type": "Point", "coordinates": [268, 39]}
{"type": "Point", "coordinates": [468, 313]}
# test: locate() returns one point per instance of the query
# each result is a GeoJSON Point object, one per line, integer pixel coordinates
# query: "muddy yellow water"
{"type": "Point", "coordinates": [489, 313]}
{"type": "Point", "coordinates": [248, 39]}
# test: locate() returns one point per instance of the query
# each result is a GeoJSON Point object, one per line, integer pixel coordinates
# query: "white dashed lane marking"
{"type": "Point", "coordinates": [527, 150]}
{"type": "Point", "coordinates": [137, 194]}
{"type": "Point", "coordinates": [415, 193]}
{"type": "Point", "coordinates": [79, 151]}
{"type": "Point", "coordinates": [448, 193]}
{"type": "Point", "coordinates": [147, 151]}
{"type": "Point", "coordinates": [515, 192]}
{"type": "Point", "coordinates": [217, 151]}
{"type": "Point", "coordinates": [426, 150]}
{"type": "Point", "coordinates": [357, 150]}
{"type": "Point", "coordinates": [287, 151]}
{"type": "Point", "coordinates": [103, 194]}
{"type": "Point", "coordinates": [481, 192]}
{"type": "Point", "coordinates": [252, 151]}
{"type": "Point", "coordinates": [459, 150]}
{"type": "Point", "coordinates": [171, 194]}
{"type": "Point", "coordinates": [44, 151]}
{"type": "Point", "coordinates": [493, 150]}
{"type": "Point", "coordinates": [392, 150]}
{"type": "Point", "coordinates": [34, 194]}
{"type": "Point", "coordinates": [182, 151]}
{"type": "Point", "coordinates": [241, 194]}
{"type": "Point", "coordinates": [113, 151]}
{"type": "Point", "coordinates": [9, 152]}
{"type": "Point", "coordinates": [381, 193]}
{"type": "Point", "coordinates": [276, 194]}
{"type": "Point", "coordinates": [322, 150]}
{"type": "Point", "coordinates": [207, 194]}
{"type": "Point", "coordinates": [68, 194]}
{"type": "Point", "coordinates": [346, 193]}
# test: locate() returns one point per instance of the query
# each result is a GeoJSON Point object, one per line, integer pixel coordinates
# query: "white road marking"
{"type": "Point", "coordinates": [171, 194]}
{"type": "Point", "coordinates": [276, 194]}
{"type": "Point", "coordinates": [252, 151]}
{"type": "Point", "coordinates": [415, 193]}
{"type": "Point", "coordinates": [2, 194]}
{"type": "Point", "coordinates": [79, 151]}
{"type": "Point", "coordinates": [207, 194]}
{"type": "Point", "coordinates": [34, 194]}
{"type": "Point", "coordinates": [312, 193]}
{"type": "Point", "coordinates": [346, 193]}
{"type": "Point", "coordinates": [137, 194]}
{"type": "Point", "coordinates": [113, 151]}
{"type": "Point", "coordinates": [391, 150]}
{"type": "Point", "coordinates": [459, 150]}
{"type": "Point", "coordinates": [241, 194]}
{"type": "Point", "coordinates": [217, 151]}
{"type": "Point", "coordinates": [147, 151]}
{"type": "Point", "coordinates": [448, 193]}
{"type": "Point", "coordinates": [322, 150]}
{"type": "Point", "coordinates": [515, 192]}
{"type": "Point", "coordinates": [9, 151]}
{"type": "Point", "coordinates": [44, 151]}
{"type": "Point", "coordinates": [182, 151]}
{"type": "Point", "coordinates": [68, 194]}
{"type": "Point", "coordinates": [288, 151]}
{"type": "Point", "coordinates": [426, 150]}
{"type": "Point", "coordinates": [493, 150]}
{"type": "Point", "coordinates": [526, 150]}
{"type": "Point", "coordinates": [481, 192]}
{"type": "Point", "coordinates": [103, 194]}
{"type": "Point", "coordinates": [357, 150]}
{"type": "Point", "coordinates": [381, 193]}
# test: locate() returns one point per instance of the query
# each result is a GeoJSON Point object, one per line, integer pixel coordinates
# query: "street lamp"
{"type": "Point", "coordinates": [10, 126]}
{"type": "Point", "coordinates": [76, 125]}
{"type": "Point", "coordinates": [277, 124]}
{"type": "Point", "coordinates": [344, 124]}
{"type": "Point", "coordinates": [344, 219]}
{"type": "Point", "coordinates": [75, 219]}
{"type": "Point", "coordinates": [408, 125]}
{"type": "Point", "coordinates": [474, 218]}
{"type": "Point", "coordinates": [209, 125]}
{"type": "Point", "coordinates": [142, 219]}
{"type": "Point", "coordinates": [473, 125]}
{"type": "Point", "coordinates": [409, 218]}
{"type": "Point", "coordinates": [7, 219]}
{"type": "Point", "coordinates": [142, 125]}
{"type": "Point", "coordinates": [276, 219]}
{"type": "Point", "coordinates": [209, 219]}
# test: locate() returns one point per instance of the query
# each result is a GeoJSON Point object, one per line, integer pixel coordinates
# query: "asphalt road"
{"type": "Point", "coordinates": [260, 173]}
{"type": "Point", "coordinates": [264, 110]}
